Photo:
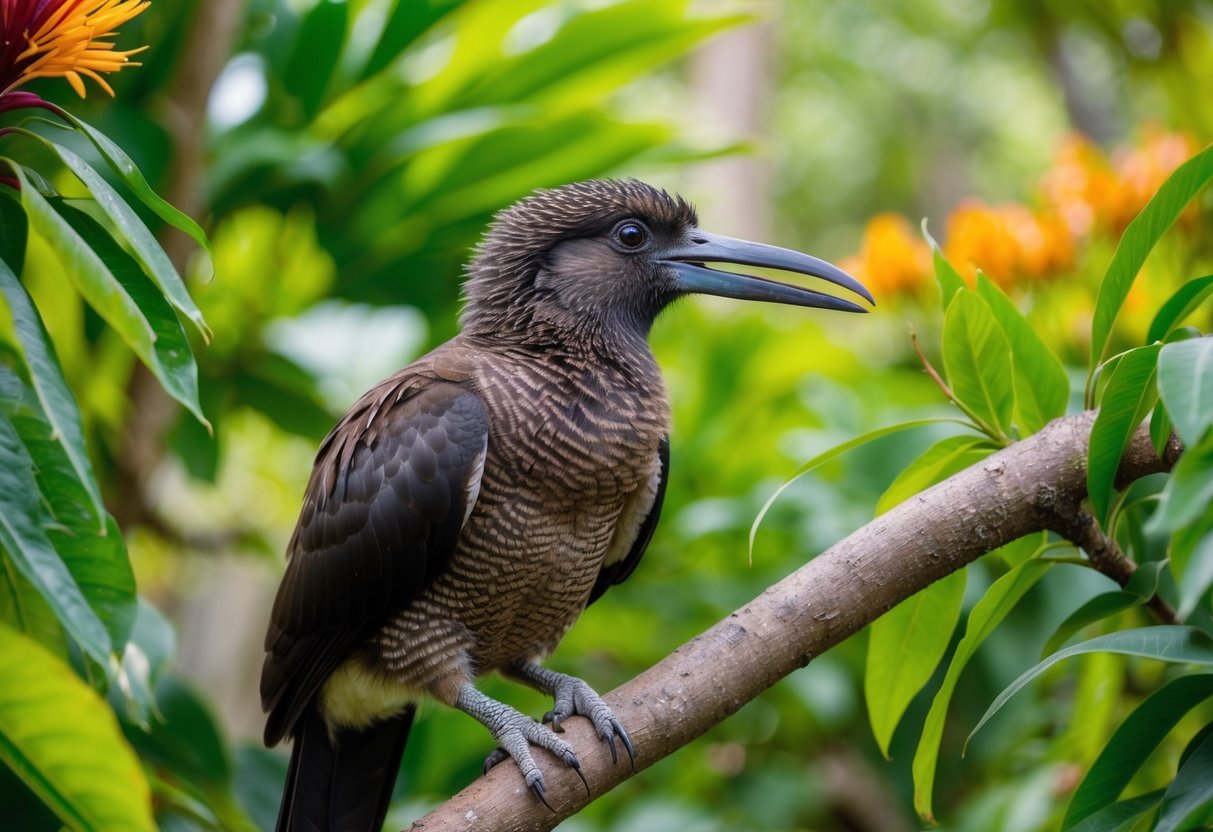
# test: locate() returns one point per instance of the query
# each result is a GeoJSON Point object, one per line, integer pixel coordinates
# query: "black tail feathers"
{"type": "Point", "coordinates": [343, 784]}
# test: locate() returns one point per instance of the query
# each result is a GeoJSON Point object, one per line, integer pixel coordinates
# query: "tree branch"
{"type": "Point", "coordinates": [1019, 490]}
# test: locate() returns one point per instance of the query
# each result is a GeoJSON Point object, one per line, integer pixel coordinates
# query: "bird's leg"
{"type": "Point", "coordinates": [516, 732]}
{"type": "Point", "coordinates": [573, 697]}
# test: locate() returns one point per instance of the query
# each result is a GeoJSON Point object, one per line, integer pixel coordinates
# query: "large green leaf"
{"type": "Point", "coordinates": [1192, 560]}
{"type": "Point", "coordinates": [129, 173]}
{"type": "Point", "coordinates": [905, 646]}
{"type": "Point", "coordinates": [407, 20]}
{"type": "Point", "coordinates": [977, 357]}
{"type": "Point", "coordinates": [1122, 816]}
{"type": "Point", "coordinates": [1185, 382]}
{"type": "Point", "coordinates": [1136, 738]}
{"type": "Point", "coordinates": [1127, 400]}
{"type": "Point", "coordinates": [1168, 643]}
{"type": "Point", "coordinates": [1137, 242]}
{"type": "Point", "coordinates": [987, 614]}
{"type": "Point", "coordinates": [1179, 306]}
{"type": "Point", "coordinates": [14, 228]}
{"type": "Point", "coordinates": [1042, 387]}
{"type": "Point", "coordinates": [950, 281]}
{"type": "Point", "coordinates": [143, 244]}
{"type": "Point", "coordinates": [62, 739]}
{"type": "Point", "coordinates": [1189, 492]}
{"type": "Point", "coordinates": [113, 284]}
{"type": "Point", "coordinates": [58, 403]}
{"type": "Point", "coordinates": [24, 541]}
{"type": "Point", "coordinates": [1185, 804]}
{"type": "Point", "coordinates": [94, 555]}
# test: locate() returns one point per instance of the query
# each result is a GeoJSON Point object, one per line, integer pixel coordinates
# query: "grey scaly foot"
{"type": "Point", "coordinates": [516, 732]}
{"type": "Point", "coordinates": [573, 697]}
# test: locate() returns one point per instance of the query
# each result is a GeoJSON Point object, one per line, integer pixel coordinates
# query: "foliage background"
{"type": "Point", "coordinates": [342, 182]}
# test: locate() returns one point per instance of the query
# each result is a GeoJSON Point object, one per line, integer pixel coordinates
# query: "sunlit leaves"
{"type": "Point", "coordinates": [977, 357]}
{"type": "Point", "coordinates": [1137, 242]}
{"type": "Point", "coordinates": [1126, 402]}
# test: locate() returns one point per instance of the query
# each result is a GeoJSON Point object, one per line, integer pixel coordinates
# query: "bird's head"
{"type": "Point", "coordinates": [610, 255]}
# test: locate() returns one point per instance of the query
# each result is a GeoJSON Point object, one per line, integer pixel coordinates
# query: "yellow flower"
{"type": "Point", "coordinates": [1009, 242]}
{"type": "Point", "coordinates": [893, 258]}
{"type": "Point", "coordinates": [62, 39]}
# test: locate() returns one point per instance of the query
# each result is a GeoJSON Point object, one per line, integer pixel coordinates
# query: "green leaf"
{"type": "Point", "coordinates": [1042, 388]}
{"type": "Point", "coordinates": [977, 357]}
{"type": "Point", "coordinates": [146, 249]}
{"type": "Point", "coordinates": [408, 20]}
{"type": "Point", "coordinates": [62, 739]}
{"type": "Point", "coordinates": [905, 647]}
{"type": "Point", "coordinates": [1190, 792]}
{"type": "Point", "coordinates": [1137, 242]}
{"type": "Point", "coordinates": [122, 165]}
{"type": "Point", "coordinates": [1127, 399]}
{"type": "Point", "coordinates": [1136, 738]}
{"type": "Point", "coordinates": [1160, 428]}
{"type": "Point", "coordinates": [58, 403]}
{"type": "Point", "coordinates": [95, 556]}
{"type": "Point", "coordinates": [1141, 588]}
{"type": "Point", "coordinates": [833, 453]}
{"type": "Point", "coordinates": [1192, 560]}
{"type": "Point", "coordinates": [1120, 817]}
{"type": "Point", "coordinates": [1179, 306]}
{"type": "Point", "coordinates": [950, 281]}
{"type": "Point", "coordinates": [937, 463]}
{"type": "Point", "coordinates": [987, 614]}
{"type": "Point", "coordinates": [1168, 643]}
{"type": "Point", "coordinates": [114, 285]}
{"type": "Point", "coordinates": [314, 57]}
{"type": "Point", "coordinates": [1189, 492]}
{"type": "Point", "coordinates": [1185, 382]}
{"type": "Point", "coordinates": [152, 644]}
{"type": "Point", "coordinates": [14, 228]}
{"type": "Point", "coordinates": [26, 543]}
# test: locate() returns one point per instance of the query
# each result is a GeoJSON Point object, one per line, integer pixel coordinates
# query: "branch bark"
{"type": "Point", "coordinates": [1033, 485]}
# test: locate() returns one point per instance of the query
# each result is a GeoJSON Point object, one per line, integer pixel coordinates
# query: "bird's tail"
{"type": "Point", "coordinates": [342, 783]}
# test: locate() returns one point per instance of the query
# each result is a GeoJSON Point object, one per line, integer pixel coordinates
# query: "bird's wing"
{"type": "Point", "coordinates": [617, 571]}
{"type": "Point", "coordinates": [393, 485]}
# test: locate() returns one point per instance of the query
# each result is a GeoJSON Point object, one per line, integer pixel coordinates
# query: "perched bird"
{"type": "Point", "coordinates": [467, 509]}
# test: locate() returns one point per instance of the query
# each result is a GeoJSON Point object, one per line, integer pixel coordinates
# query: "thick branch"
{"type": "Point", "coordinates": [1015, 492]}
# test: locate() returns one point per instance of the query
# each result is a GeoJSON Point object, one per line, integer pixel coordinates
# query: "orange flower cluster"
{"type": "Point", "coordinates": [1084, 193]}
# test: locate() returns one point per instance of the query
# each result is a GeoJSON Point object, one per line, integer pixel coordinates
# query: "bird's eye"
{"type": "Point", "coordinates": [631, 235]}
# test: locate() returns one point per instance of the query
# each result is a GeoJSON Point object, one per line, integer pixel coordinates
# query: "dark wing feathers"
{"type": "Point", "coordinates": [621, 570]}
{"type": "Point", "coordinates": [391, 490]}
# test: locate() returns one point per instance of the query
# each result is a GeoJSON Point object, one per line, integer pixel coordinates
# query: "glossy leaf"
{"type": "Point", "coordinates": [977, 357]}
{"type": "Point", "coordinates": [62, 739]}
{"type": "Point", "coordinates": [1192, 560]}
{"type": "Point", "coordinates": [58, 404]}
{"type": "Point", "coordinates": [1179, 306]}
{"type": "Point", "coordinates": [1185, 382]}
{"type": "Point", "coordinates": [1136, 738]}
{"type": "Point", "coordinates": [95, 555]}
{"type": "Point", "coordinates": [1042, 388]}
{"type": "Point", "coordinates": [950, 281]}
{"type": "Point", "coordinates": [1137, 242]}
{"type": "Point", "coordinates": [129, 173]}
{"type": "Point", "coordinates": [986, 615]}
{"type": "Point", "coordinates": [114, 285]}
{"type": "Point", "coordinates": [1186, 801]}
{"type": "Point", "coordinates": [23, 540]}
{"type": "Point", "coordinates": [1189, 491]}
{"type": "Point", "coordinates": [905, 647]}
{"type": "Point", "coordinates": [1127, 400]}
{"type": "Point", "coordinates": [1168, 643]}
{"type": "Point", "coordinates": [143, 244]}
{"type": "Point", "coordinates": [1141, 588]}
{"type": "Point", "coordinates": [1122, 816]}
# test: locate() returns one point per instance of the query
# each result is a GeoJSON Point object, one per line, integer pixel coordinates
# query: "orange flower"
{"type": "Point", "coordinates": [893, 259]}
{"type": "Point", "coordinates": [1144, 168]}
{"type": "Point", "coordinates": [1007, 242]}
{"type": "Point", "coordinates": [1080, 186]}
{"type": "Point", "coordinates": [62, 39]}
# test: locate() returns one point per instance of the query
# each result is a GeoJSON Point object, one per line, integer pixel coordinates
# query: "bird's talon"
{"type": "Point", "coordinates": [537, 789]}
{"type": "Point", "coordinates": [626, 740]}
{"type": "Point", "coordinates": [575, 765]}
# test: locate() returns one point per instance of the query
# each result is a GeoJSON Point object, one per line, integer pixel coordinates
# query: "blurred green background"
{"type": "Point", "coordinates": [348, 155]}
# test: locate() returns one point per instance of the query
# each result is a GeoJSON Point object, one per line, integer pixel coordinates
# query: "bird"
{"type": "Point", "coordinates": [467, 509]}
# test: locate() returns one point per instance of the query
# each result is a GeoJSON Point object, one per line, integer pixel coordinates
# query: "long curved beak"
{"type": "Point", "coordinates": [703, 247]}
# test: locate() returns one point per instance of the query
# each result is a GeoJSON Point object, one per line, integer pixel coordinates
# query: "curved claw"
{"type": "Point", "coordinates": [576, 767]}
{"type": "Point", "coordinates": [551, 718]}
{"type": "Point", "coordinates": [618, 728]}
{"type": "Point", "coordinates": [537, 789]}
{"type": "Point", "coordinates": [499, 755]}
